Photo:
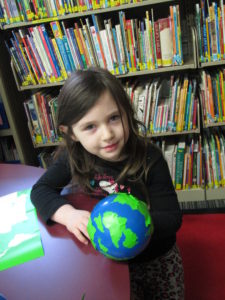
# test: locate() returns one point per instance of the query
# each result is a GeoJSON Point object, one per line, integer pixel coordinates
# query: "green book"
{"type": "Point", "coordinates": [20, 239]}
{"type": "Point", "coordinates": [179, 165]}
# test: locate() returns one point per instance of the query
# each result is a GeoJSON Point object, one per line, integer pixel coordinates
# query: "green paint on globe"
{"type": "Point", "coordinates": [98, 221]}
{"type": "Point", "coordinates": [130, 238]}
{"type": "Point", "coordinates": [91, 231]}
{"type": "Point", "coordinates": [118, 229]}
{"type": "Point", "coordinates": [102, 247]}
{"type": "Point", "coordinates": [135, 204]}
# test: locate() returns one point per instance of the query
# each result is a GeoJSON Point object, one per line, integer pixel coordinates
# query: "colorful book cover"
{"type": "Point", "coordinates": [19, 231]}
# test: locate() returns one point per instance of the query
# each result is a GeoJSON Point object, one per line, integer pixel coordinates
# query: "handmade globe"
{"type": "Point", "coordinates": [120, 226]}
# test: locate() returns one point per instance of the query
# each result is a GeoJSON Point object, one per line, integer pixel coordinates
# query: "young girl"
{"type": "Point", "coordinates": [104, 153]}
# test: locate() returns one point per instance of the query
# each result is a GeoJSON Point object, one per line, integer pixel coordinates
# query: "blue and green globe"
{"type": "Point", "coordinates": [120, 226]}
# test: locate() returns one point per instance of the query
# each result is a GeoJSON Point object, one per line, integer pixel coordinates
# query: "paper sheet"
{"type": "Point", "coordinates": [20, 239]}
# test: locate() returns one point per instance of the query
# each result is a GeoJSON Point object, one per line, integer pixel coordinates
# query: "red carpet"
{"type": "Point", "coordinates": [201, 240]}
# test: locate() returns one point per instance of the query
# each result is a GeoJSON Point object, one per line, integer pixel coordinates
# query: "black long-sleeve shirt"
{"type": "Point", "coordinates": [164, 208]}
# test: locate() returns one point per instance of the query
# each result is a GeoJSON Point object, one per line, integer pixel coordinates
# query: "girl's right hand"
{"type": "Point", "coordinates": [75, 220]}
{"type": "Point", "coordinates": [76, 223]}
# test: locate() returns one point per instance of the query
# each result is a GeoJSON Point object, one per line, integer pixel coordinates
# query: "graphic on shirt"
{"type": "Point", "coordinates": [106, 183]}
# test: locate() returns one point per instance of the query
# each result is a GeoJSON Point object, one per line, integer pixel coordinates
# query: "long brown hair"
{"type": "Point", "coordinates": [78, 95]}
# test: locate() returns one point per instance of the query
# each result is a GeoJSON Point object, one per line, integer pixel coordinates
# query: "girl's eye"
{"type": "Point", "coordinates": [89, 127]}
{"type": "Point", "coordinates": [115, 118]}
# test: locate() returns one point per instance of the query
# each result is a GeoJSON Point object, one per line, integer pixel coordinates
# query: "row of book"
{"type": "Point", "coordinates": [13, 11]}
{"type": "Point", "coordinates": [212, 95]}
{"type": "Point", "coordinates": [165, 105]}
{"type": "Point", "coordinates": [184, 160]}
{"type": "Point", "coordinates": [8, 151]}
{"type": "Point", "coordinates": [210, 24]}
{"type": "Point", "coordinates": [46, 54]}
{"type": "Point", "coordinates": [162, 105]}
{"type": "Point", "coordinates": [41, 111]}
{"type": "Point", "coordinates": [46, 157]}
{"type": "Point", "coordinates": [4, 124]}
{"type": "Point", "coordinates": [214, 153]}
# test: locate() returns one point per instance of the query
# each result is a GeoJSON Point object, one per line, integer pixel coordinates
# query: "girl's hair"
{"type": "Point", "coordinates": [78, 95]}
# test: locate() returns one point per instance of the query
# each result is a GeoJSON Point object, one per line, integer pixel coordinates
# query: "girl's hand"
{"type": "Point", "coordinates": [75, 221]}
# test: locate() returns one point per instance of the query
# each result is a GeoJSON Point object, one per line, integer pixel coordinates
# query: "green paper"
{"type": "Point", "coordinates": [20, 239]}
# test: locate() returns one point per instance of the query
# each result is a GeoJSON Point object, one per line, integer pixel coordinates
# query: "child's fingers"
{"type": "Point", "coordinates": [80, 236]}
{"type": "Point", "coordinates": [83, 229]}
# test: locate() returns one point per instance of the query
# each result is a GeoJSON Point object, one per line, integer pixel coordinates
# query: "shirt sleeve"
{"type": "Point", "coordinates": [45, 193]}
{"type": "Point", "coordinates": [164, 207]}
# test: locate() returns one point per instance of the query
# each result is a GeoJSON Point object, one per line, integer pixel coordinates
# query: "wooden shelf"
{"type": "Point", "coordinates": [212, 194]}
{"type": "Point", "coordinates": [212, 64]}
{"type": "Point", "coordinates": [5, 132]}
{"type": "Point", "coordinates": [218, 124]}
{"type": "Point", "coordinates": [191, 195]}
{"type": "Point", "coordinates": [169, 133]}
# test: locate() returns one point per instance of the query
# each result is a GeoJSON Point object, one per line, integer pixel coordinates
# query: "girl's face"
{"type": "Point", "coordinates": [102, 131]}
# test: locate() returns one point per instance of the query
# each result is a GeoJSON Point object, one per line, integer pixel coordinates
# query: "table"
{"type": "Point", "coordinates": [69, 269]}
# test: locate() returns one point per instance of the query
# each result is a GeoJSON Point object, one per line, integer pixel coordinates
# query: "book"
{"type": "Point", "coordinates": [179, 165]}
{"type": "Point", "coordinates": [166, 41]}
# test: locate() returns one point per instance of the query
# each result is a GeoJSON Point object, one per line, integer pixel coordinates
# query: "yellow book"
{"type": "Point", "coordinates": [220, 160]}
{"type": "Point", "coordinates": [208, 54]}
{"type": "Point", "coordinates": [222, 93]}
{"type": "Point", "coordinates": [30, 78]}
{"type": "Point", "coordinates": [183, 98]}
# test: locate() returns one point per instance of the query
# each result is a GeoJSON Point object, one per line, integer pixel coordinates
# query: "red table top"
{"type": "Point", "coordinates": [68, 269]}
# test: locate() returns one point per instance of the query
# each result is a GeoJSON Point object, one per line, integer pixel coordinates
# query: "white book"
{"type": "Point", "coordinates": [111, 43]}
{"type": "Point", "coordinates": [168, 153]}
{"type": "Point", "coordinates": [141, 103]}
{"type": "Point", "coordinates": [106, 50]}
{"type": "Point", "coordinates": [97, 46]}
{"type": "Point", "coordinates": [148, 107]}
{"type": "Point", "coordinates": [120, 44]}
{"type": "Point", "coordinates": [41, 51]}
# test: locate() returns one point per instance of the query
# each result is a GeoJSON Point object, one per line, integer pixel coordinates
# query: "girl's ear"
{"type": "Point", "coordinates": [64, 129]}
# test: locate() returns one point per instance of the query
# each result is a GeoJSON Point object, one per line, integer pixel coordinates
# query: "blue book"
{"type": "Point", "coordinates": [215, 98]}
{"type": "Point", "coordinates": [187, 107]}
{"type": "Point", "coordinates": [15, 44]}
{"type": "Point", "coordinates": [64, 56]}
{"type": "Point", "coordinates": [217, 31]}
{"type": "Point", "coordinates": [143, 44]}
{"type": "Point", "coordinates": [68, 52]}
{"type": "Point", "coordinates": [128, 58]}
{"type": "Point", "coordinates": [204, 29]}
{"type": "Point", "coordinates": [175, 59]}
{"type": "Point", "coordinates": [5, 123]}
{"type": "Point", "coordinates": [74, 41]}
{"type": "Point", "coordinates": [117, 50]}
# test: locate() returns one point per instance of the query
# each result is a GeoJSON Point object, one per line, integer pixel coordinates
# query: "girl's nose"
{"type": "Point", "coordinates": [106, 132]}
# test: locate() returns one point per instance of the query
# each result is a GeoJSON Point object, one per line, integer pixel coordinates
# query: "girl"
{"type": "Point", "coordinates": [105, 153]}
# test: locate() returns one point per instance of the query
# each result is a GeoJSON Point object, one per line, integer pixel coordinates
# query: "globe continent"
{"type": "Point", "coordinates": [120, 226]}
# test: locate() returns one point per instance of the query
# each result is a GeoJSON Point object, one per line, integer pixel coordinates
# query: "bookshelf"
{"type": "Point", "coordinates": [12, 101]}
{"type": "Point", "coordinates": [191, 64]}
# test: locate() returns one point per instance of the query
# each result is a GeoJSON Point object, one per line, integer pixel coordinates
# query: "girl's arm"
{"type": "Point", "coordinates": [164, 209]}
{"type": "Point", "coordinates": [45, 194]}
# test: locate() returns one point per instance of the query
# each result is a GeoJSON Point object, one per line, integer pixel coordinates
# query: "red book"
{"type": "Point", "coordinates": [131, 43]}
{"type": "Point", "coordinates": [195, 113]}
{"type": "Point", "coordinates": [40, 30]}
{"type": "Point", "coordinates": [30, 56]}
{"type": "Point", "coordinates": [157, 44]}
